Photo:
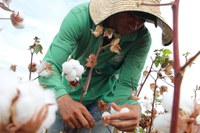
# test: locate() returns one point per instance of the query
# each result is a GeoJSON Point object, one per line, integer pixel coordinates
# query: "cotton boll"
{"type": "Point", "coordinates": [74, 62]}
{"type": "Point", "coordinates": [167, 101]}
{"type": "Point", "coordinates": [49, 97]}
{"type": "Point", "coordinates": [198, 119]}
{"type": "Point", "coordinates": [8, 90]}
{"type": "Point", "coordinates": [124, 110]}
{"type": "Point", "coordinates": [113, 111]}
{"type": "Point", "coordinates": [147, 103]}
{"type": "Point", "coordinates": [105, 114]}
{"type": "Point", "coordinates": [30, 100]}
{"type": "Point", "coordinates": [80, 70]}
{"type": "Point", "coordinates": [104, 117]}
{"type": "Point", "coordinates": [67, 67]}
{"type": "Point", "coordinates": [71, 76]}
{"type": "Point", "coordinates": [162, 122]}
{"type": "Point", "coordinates": [187, 104]}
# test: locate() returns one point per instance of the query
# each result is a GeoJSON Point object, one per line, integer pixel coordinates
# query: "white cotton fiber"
{"type": "Point", "coordinates": [32, 99]}
{"type": "Point", "coordinates": [162, 122]}
{"type": "Point", "coordinates": [49, 98]}
{"type": "Point", "coordinates": [187, 104]}
{"type": "Point", "coordinates": [72, 70]}
{"type": "Point", "coordinates": [167, 101]}
{"type": "Point", "coordinates": [8, 90]}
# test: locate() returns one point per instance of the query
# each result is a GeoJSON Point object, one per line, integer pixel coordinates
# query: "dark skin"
{"type": "Point", "coordinates": [76, 115]}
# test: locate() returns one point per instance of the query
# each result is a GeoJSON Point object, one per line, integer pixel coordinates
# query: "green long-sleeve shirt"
{"type": "Point", "coordinates": [75, 38]}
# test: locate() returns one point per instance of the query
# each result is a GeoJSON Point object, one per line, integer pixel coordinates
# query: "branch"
{"type": "Point", "coordinates": [85, 87]}
{"type": "Point", "coordinates": [142, 84]}
{"type": "Point", "coordinates": [189, 62]}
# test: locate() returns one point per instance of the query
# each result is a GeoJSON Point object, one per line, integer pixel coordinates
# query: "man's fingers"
{"type": "Point", "coordinates": [122, 116]}
{"type": "Point", "coordinates": [89, 118]}
{"type": "Point", "coordinates": [70, 124]}
{"type": "Point", "coordinates": [82, 120]}
{"type": "Point", "coordinates": [115, 106]}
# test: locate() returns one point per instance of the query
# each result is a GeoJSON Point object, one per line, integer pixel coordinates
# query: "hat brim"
{"type": "Point", "coordinates": [102, 9]}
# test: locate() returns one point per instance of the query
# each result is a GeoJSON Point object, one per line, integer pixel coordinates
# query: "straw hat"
{"type": "Point", "coordinates": [102, 9]}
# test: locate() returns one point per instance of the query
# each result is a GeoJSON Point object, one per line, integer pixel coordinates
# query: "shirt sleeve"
{"type": "Point", "coordinates": [131, 70]}
{"type": "Point", "coordinates": [61, 47]}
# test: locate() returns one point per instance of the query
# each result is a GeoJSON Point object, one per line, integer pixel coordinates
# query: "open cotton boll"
{"type": "Point", "coordinates": [167, 101]}
{"type": "Point", "coordinates": [8, 90]}
{"type": "Point", "coordinates": [71, 76]}
{"type": "Point", "coordinates": [67, 67]}
{"type": "Point", "coordinates": [31, 99]}
{"type": "Point", "coordinates": [162, 122]}
{"type": "Point", "coordinates": [74, 62]}
{"type": "Point", "coordinates": [198, 119]}
{"type": "Point", "coordinates": [187, 104]}
{"type": "Point", "coordinates": [80, 70]}
{"type": "Point", "coordinates": [49, 97]}
{"type": "Point", "coordinates": [146, 103]}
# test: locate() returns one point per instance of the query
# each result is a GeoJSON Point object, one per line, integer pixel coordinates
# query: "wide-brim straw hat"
{"type": "Point", "coordinates": [102, 9]}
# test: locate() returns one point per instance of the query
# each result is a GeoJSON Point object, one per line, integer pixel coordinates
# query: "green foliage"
{"type": "Point", "coordinates": [163, 56]}
{"type": "Point", "coordinates": [38, 48]}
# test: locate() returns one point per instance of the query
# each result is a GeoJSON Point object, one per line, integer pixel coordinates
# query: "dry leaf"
{"type": "Point", "coordinates": [108, 33]}
{"type": "Point", "coordinates": [115, 47]}
{"type": "Point", "coordinates": [102, 105]}
{"type": "Point", "coordinates": [153, 86]}
{"type": "Point", "coordinates": [91, 60]}
{"type": "Point", "coordinates": [98, 31]}
{"type": "Point", "coordinates": [13, 68]}
{"type": "Point", "coordinates": [163, 89]}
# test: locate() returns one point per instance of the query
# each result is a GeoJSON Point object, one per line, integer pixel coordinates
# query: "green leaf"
{"type": "Point", "coordinates": [38, 48]}
{"type": "Point", "coordinates": [166, 52]}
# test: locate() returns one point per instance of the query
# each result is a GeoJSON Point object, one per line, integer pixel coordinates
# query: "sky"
{"type": "Point", "coordinates": [43, 18]}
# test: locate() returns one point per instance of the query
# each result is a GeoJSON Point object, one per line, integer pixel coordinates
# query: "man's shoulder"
{"type": "Point", "coordinates": [81, 8]}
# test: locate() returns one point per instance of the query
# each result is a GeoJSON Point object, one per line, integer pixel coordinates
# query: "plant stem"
{"type": "Point", "coordinates": [85, 87]}
{"type": "Point", "coordinates": [141, 86]}
{"type": "Point", "coordinates": [154, 97]}
{"type": "Point", "coordinates": [178, 78]}
{"type": "Point", "coordinates": [31, 64]}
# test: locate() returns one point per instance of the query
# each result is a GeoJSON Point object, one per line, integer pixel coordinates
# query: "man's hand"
{"type": "Point", "coordinates": [124, 121]}
{"type": "Point", "coordinates": [74, 114]}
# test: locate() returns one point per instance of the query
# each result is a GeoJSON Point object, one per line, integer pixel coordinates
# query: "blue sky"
{"type": "Point", "coordinates": [42, 18]}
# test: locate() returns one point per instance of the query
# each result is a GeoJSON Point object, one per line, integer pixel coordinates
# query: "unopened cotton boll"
{"type": "Point", "coordinates": [8, 91]}
{"type": "Point", "coordinates": [162, 122]}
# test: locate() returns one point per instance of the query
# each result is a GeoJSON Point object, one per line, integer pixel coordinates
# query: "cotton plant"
{"type": "Point", "coordinates": [188, 114]}
{"type": "Point", "coordinates": [25, 106]}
